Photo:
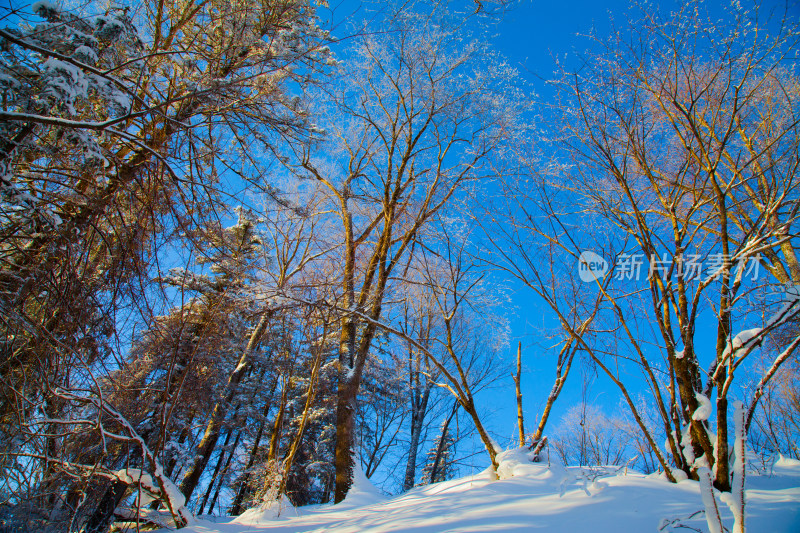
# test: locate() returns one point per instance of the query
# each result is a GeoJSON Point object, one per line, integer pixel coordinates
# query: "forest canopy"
{"type": "Point", "coordinates": [249, 252]}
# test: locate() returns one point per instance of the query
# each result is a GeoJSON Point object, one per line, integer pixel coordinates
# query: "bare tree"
{"type": "Point", "coordinates": [776, 423]}
{"type": "Point", "coordinates": [418, 321]}
{"type": "Point", "coordinates": [588, 437]}
{"type": "Point", "coordinates": [413, 126]}
{"type": "Point", "coordinates": [684, 144]}
{"type": "Point", "coordinates": [466, 350]}
{"type": "Point", "coordinates": [518, 392]}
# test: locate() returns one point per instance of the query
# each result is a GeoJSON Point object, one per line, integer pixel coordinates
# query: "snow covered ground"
{"type": "Point", "coordinates": [534, 497]}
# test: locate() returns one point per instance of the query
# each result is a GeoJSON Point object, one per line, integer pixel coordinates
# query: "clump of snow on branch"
{"type": "Point", "coordinates": [703, 410]}
{"type": "Point", "coordinates": [160, 488]}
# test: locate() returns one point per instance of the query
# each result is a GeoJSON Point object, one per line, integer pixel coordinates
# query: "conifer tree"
{"type": "Point", "coordinates": [440, 465]}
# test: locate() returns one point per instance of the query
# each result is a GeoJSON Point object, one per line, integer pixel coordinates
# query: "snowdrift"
{"type": "Point", "coordinates": [537, 497]}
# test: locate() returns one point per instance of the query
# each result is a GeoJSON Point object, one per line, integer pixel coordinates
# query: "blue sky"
{"type": "Point", "coordinates": [532, 36]}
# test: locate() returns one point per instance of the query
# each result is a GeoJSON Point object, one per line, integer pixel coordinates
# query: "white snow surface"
{"type": "Point", "coordinates": [529, 500]}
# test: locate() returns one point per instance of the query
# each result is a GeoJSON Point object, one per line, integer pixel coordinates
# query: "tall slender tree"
{"type": "Point", "coordinates": [417, 119]}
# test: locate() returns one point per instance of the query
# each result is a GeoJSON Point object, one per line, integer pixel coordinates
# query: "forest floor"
{"type": "Point", "coordinates": [535, 497]}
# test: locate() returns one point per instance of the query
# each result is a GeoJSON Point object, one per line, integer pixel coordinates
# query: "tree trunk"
{"type": "Point", "coordinates": [517, 379]}
{"type": "Point", "coordinates": [103, 517]}
{"type": "Point", "coordinates": [216, 473]}
{"type": "Point", "coordinates": [419, 406]}
{"type": "Point", "coordinates": [241, 493]}
{"type": "Point", "coordinates": [487, 441]}
{"type": "Point", "coordinates": [214, 427]}
{"type": "Point", "coordinates": [723, 479]}
{"type": "Point", "coordinates": [343, 454]}
{"type": "Point", "coordinates": [437, 459]}
{"type": "Point", "coordinates": [346, 391]}
{"type": "Point", "coordinates": [298, 438]}
{"type": "Point", "coordinates": [349, 383]}
{"type": "Point", "coordinates": [275, 438]}
{"type": "Point", "coordinates": [224, 472]}
{"type": "Point", "coordinates": [411, 464]}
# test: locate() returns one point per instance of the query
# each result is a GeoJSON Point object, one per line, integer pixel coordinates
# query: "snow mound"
{"type": "Point", "coordinates": [362, 492]}
{"type": "Point", "coordinates": [518, 462]}
{"type": "Point", "coordinates": [786, 466]}
{"type": "Point", "coordinates": [513, 462]}
{"type": "Point", "coordinates": [267, 512]}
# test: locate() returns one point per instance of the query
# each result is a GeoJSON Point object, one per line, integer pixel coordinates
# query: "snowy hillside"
{"type": "Point", "coordinates": [537, 498]}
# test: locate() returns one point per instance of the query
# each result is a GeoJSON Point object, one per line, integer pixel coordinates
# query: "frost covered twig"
{"type": "Point", "coordinates": [678, 523]}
